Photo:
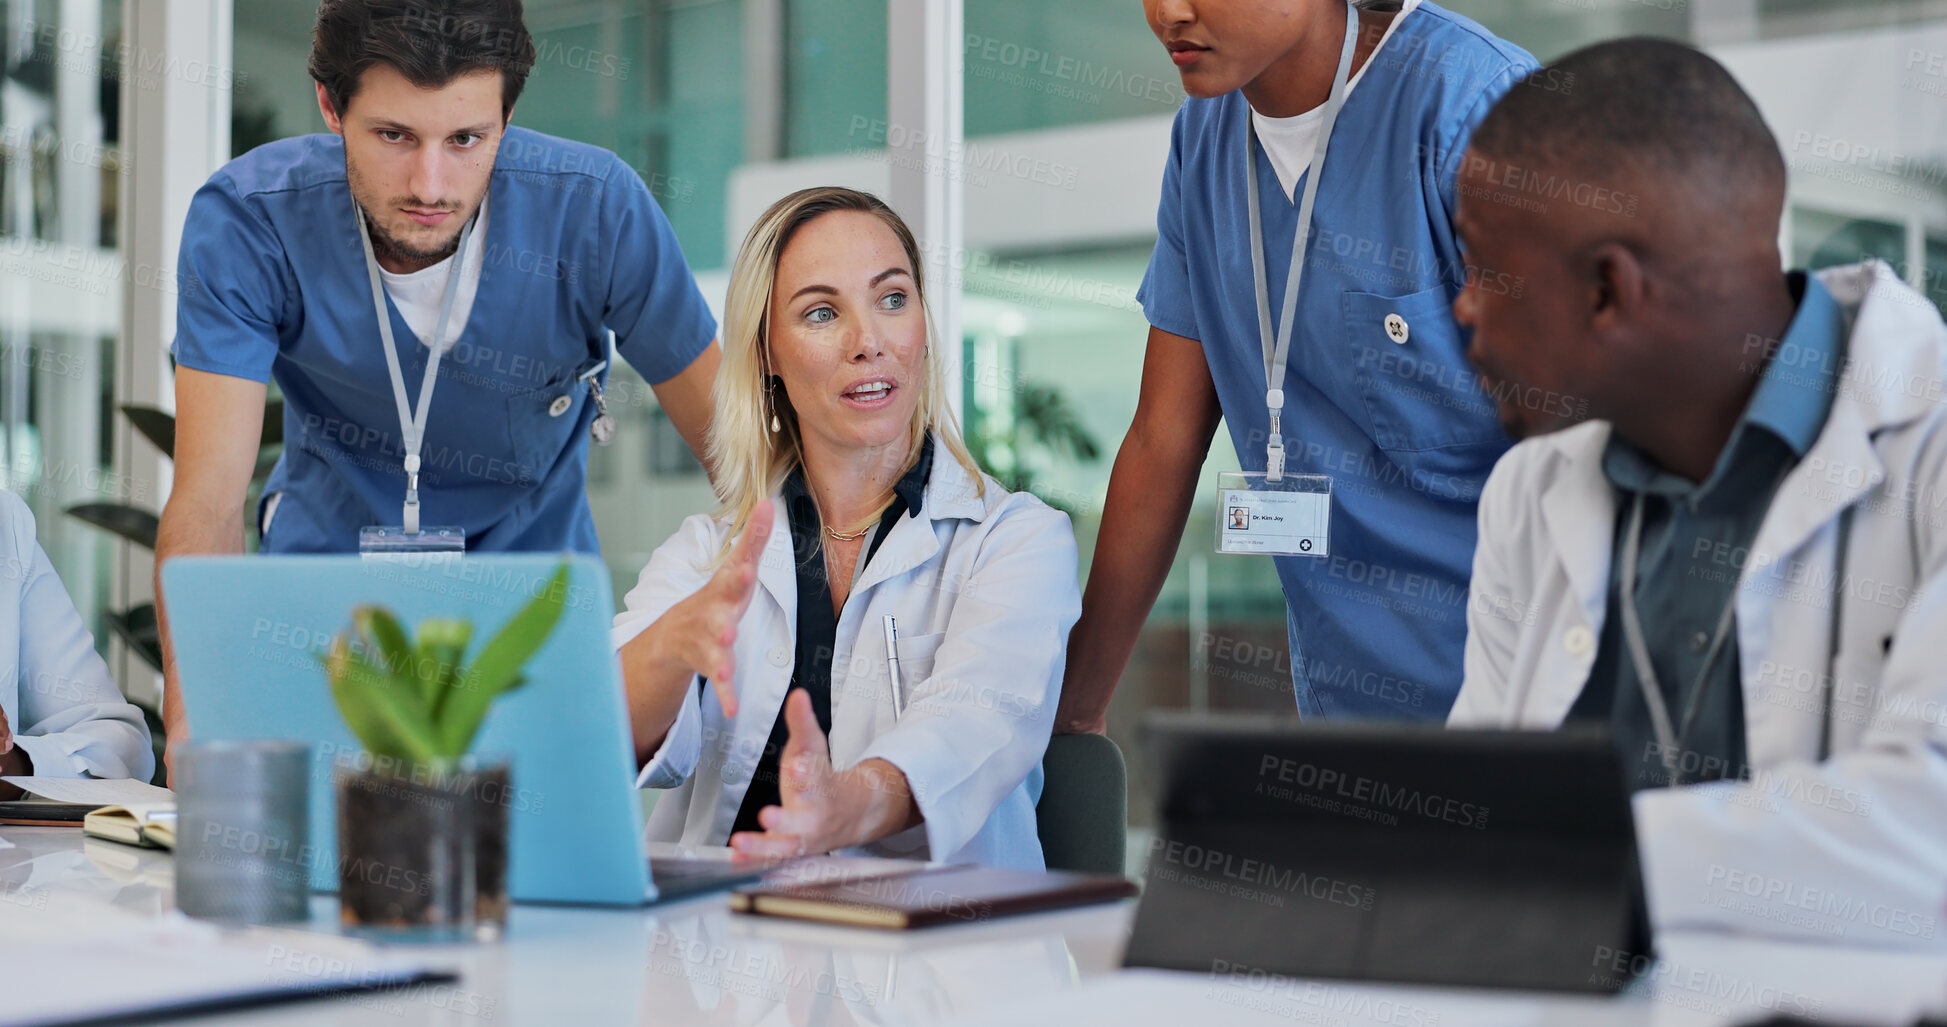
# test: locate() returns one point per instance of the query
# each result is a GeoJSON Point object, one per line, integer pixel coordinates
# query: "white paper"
{"type": "Point", "coordinates": [93, 791]}
{"type": "Point", "coordinates": [677, 850]}
{"type": "Point", "coordinates": [139, 968]}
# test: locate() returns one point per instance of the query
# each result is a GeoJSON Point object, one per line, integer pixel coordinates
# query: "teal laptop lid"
{"type": "Point", "coordinates": [248, 630]}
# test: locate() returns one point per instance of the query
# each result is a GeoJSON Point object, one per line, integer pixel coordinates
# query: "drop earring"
{"type": "Point", "coordinates": [771, 402]}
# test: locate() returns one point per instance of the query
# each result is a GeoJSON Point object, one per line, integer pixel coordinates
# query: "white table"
{"type": "Point", "coordinates": [694, 962]}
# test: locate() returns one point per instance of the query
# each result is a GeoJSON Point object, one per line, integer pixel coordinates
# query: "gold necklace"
{"type": "Point", "coordinates": [853, 536]}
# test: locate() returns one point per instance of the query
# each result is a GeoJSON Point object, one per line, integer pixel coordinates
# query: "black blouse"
{"type": "Point", "coordinates": [817, 629]}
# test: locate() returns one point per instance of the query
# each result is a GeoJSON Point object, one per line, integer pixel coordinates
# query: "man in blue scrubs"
{"type": "Point", "coordinates": [513, 252]}
{"type": "Point", "coordinates": [1377, 392]}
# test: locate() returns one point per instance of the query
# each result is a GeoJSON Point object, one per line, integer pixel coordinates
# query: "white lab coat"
{"type": "Point", "coordinates": [1854, 848]}
{"type": "Point", "coordinates": [984, 591]}
{"type": "Point", "coordinates": [62, 704]}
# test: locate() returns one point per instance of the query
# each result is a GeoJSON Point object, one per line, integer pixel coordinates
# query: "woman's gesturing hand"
{"type": "Point", "coordinates": [699, 634]}
{"type": "Point", "coordinates": [824, 809]}
{"type": "Point", "coordinates": [696, 636]}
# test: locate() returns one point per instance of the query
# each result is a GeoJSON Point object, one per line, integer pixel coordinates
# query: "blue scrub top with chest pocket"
{"type": "Point", "coordinates": [273, 285]}
{"type": "Point", "coordinates": [1378, 393]}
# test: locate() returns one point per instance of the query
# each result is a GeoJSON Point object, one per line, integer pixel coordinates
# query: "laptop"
{"type": "Point", "coordinates": [247, 631]}
{"type": "Point", "coordinates": [1390, 852]}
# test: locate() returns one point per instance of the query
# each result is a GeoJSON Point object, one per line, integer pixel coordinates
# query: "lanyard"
{"type": "Point", "coordinates": [1277, 349]}
{"type": "Point", "coordinates": [1671, 737]}
{"type": "Point", "coordinates": [412, 424]}
{"type": "Point", "coordinates": [1667, 735]}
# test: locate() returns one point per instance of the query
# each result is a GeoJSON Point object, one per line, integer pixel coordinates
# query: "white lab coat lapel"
{"type": "Point", "coordinates": [1796, 543]}
{"type": "Point", "coordinates": [1810, 497]}
{"type": "Point", "coordinates": [1796, 547]}
{"type": "Point", "coordinates": [1579, 510]}
{"type": "Point", "coordinates": [777, 573]}
{"type": "Point", "coordinates": [910, 543]}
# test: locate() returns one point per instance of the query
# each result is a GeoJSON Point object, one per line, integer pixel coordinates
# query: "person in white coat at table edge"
{"type": "Point", "coordinates": [1740, 566]}
{"type": "Point", "coordinates": [60, 712]}
{"type": "Point", "coordinates": [832, 428]}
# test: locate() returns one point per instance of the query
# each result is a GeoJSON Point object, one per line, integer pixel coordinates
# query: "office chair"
{"type": "Point", "coordinates": [1083, 816]}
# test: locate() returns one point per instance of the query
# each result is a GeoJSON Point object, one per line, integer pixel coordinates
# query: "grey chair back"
{"type": "Point", "coordinates": [1083, 816]}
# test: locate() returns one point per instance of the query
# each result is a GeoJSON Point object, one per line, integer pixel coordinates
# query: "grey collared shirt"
{"type": "Point", "coordinates": [1695, 540]}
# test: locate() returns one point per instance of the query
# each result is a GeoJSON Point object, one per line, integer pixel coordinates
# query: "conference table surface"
{"type": "Point", "coordinates": [695, 962]}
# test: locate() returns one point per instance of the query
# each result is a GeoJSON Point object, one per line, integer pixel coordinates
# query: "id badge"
{"type": "Point", "coordinates": [392, 542]}
{"type": "Point", "coordinates": [1288, 517]}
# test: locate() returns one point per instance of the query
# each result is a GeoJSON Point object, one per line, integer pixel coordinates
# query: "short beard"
{"type": "Point", "coordinates": [383, 244]}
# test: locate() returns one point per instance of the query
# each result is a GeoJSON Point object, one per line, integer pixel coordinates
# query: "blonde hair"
{"type": "Point", "coordinates": [750, 460]}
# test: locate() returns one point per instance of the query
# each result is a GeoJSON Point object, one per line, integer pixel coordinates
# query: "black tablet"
{"type": "Point", "coordinates": [43, 811]}
{"type": "Point", "coordinates": [1391, 852]}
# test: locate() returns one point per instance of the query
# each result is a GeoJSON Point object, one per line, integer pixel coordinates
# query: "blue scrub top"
{"type": "Point", "coordinates": [273, 285]}
{"type": "Point", "coordinates": [1379, 626]}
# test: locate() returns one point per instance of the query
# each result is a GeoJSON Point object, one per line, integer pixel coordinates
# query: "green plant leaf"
{"type": "Point", "coordinates": [273, 430]}
{"type": "Point", "coordinates": [384, 711]}
{"type": "Point", "coordinates": [360, 714]}
{"type": "Point", "coordinates": [385, 639]}
{"type": "Point", "coordinates": [498, 666]}
{"type": "Point", "coordinates": [136, 627]}
{"type": "Point", "coordinates": [155, 424]}
{"type": "Point", "coordinates": [441, 646]}
{"type": "Point", "coordinates": [136, 525]}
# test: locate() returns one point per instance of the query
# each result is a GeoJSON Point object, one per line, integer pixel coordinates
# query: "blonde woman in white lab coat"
{"type": "Point", "coordinates": [847, 499]}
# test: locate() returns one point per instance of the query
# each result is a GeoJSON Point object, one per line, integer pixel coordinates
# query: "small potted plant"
{"type": "Point", "coordinates": [422, 827]}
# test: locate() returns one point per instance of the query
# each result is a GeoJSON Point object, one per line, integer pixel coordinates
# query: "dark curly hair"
{"type": "Point", "coordinates": [430, 42]}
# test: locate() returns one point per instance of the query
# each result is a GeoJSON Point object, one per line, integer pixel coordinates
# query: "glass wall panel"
{"type": "Point", "coordinates": [656, 81]}
{"type": "Point", "coordinates": [1934, 278]}
{"type": "Point", "coordinates": [1032, 65]}
{"type": "Point", "coordinates": [60, 282]}
{"type": "Point", "coordinates": [1823, 239]}
{"type": "Point", "coordinates": [834, 76]}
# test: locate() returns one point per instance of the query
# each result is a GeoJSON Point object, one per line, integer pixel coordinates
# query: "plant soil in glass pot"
{"type": "Point", "coordinates": [422, 827]}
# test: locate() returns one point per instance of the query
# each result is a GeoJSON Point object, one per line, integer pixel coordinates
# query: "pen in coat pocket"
{"type": "Point", "coordinates": [892, 663]}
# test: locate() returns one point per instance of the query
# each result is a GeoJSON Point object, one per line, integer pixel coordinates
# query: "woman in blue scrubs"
{"type": "Point", "coordinates": [1376, 391]}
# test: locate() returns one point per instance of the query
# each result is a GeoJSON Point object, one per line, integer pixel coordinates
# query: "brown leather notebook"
{"type": "Point", "coordinates": [927, 897]}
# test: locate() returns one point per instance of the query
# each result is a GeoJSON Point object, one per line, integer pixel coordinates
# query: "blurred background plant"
{"type": "Point", "coordinates": [1038, 422]}
{"type": "Point", "coordinates": [136, 626]}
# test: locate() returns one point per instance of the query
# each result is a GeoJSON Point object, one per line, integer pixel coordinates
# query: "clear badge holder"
{"type": "Point", "coordinates": [1288, 517]}
{"type": "Point", "coordinates": [393, 542]}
